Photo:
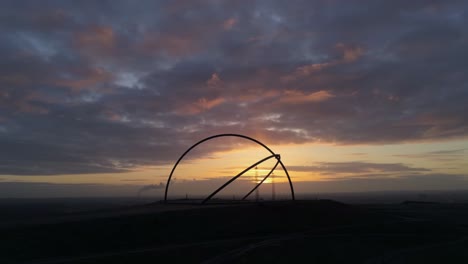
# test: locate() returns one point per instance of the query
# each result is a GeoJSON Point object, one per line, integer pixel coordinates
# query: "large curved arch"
{"type": "Point", "coordinates": [228, 135]}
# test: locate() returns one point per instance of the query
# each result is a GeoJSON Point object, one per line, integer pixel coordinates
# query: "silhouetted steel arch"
{"type": "Point", "coordinates": [235, 177]}
{"type": "Point", "coordinates": [261, 182]}
{"type": "Point", "coordinates": [240, 174]}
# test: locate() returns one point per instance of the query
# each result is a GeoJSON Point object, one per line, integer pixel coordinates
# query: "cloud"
{"type": "Point", "coordinates": [447, 152]}
{"type": "Point", "coordinates": [422, 182]}
{"type": "Point", "coordinates": [347, 54]}
{"type": "Point", "coordinates": [357, 167]}
{"type": "Point", "coordinates": [88, 79]}
{"type": "Point", "coordinates": [106, 87]}
{"type": "Point", "coordinates": [297, 97]}
{"type": "Point", "coordinates": [201, 105]}
{"type": "Point", "coordinates": [214, 81]}
{"type": "Point", "coordinates": [442, 155]}
{"type": "Point", "coordinates": [97, 40]}
{"type": "Point", "coordinates": [57, 190]}
{"type": "Point", "coordinates": [228, 24]}
{"type": "Point", "coordinates": [151, 187]}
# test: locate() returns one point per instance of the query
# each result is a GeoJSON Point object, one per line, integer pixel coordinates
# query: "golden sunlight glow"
{"type": "Point", "coordinates": [229, 163]}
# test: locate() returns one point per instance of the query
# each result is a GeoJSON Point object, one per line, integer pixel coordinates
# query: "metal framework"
{"type": "Point", "coordinates": [273, 155]}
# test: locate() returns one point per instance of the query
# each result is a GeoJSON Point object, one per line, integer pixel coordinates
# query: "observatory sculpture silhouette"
{"type": "Point", "coordinates": [273, 155]}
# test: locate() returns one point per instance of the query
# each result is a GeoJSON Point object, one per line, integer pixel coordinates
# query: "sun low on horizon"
{"type": "Point", "coordinates": [102, 98]}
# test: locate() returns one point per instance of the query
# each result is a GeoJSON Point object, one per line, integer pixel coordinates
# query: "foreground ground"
{"type": "Point", "coordinates": [319, 231]}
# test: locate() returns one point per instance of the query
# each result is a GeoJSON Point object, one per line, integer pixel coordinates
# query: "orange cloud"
{"type": "Point", "coordinates": [295, 97]}
{"type": "Point", "coordinates": [214, 81]}
{"type": "Point", "coordinates": [311, 68]}
{"type": "Point", "coordinates": [255, 95]}
{"type": "Point", "coordinates": [349, 54]}
{"type": "Point", "coordinates": [307, 70]}
{"type": "Point", "coordinates": [201, 105]}
{"type": "Point", "coordinates": [114, 116]}
{"type": "Point", "coordinates": [228, 24]}
{"type": "Point", "coordinates": [208, 104]}
{"type": "Point", "coordinates": [92, 78]}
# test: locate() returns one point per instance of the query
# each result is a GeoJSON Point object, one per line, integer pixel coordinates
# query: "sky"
{"type": "Point", "coordinates": [100, 98]}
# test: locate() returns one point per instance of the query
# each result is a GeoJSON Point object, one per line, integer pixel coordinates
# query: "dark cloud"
{"type": "Point", "coordinates": [107, 86]}
{"type": "Point", "coordinates": [447, 152]}
{"type": "Point", "coordinates": [421, 182]}
{"type": "Point", "coordinates": [357, 167]}
{"type": "Point", "coordinates": [10, 189]}
{"type": "Point", "coordinates": [133, 180]}
{"type": "Point", "coordinates": [441, 155]}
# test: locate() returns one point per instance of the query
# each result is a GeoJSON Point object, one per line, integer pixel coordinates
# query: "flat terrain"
{"type": "Point", "coordinates": [320, 231]}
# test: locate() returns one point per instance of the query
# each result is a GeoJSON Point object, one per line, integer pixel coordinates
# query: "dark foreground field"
{"type": "Point", "coordinates": [320, 231]}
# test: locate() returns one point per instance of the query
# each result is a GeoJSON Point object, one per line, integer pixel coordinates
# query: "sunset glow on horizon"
{"type": "Point", "coordinates": [100, 99]}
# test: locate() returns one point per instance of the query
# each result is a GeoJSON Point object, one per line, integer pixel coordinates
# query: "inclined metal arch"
{"type": "Point", "coordinates": [240, 174]}
{"type": "Point", "coordinates": [273, 154]}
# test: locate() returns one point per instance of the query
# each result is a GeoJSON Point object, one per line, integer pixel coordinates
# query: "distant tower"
{"type": "Point", "coordinates": [273, 192]}
{"type": "Point", "coordinates": [256, 181]}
